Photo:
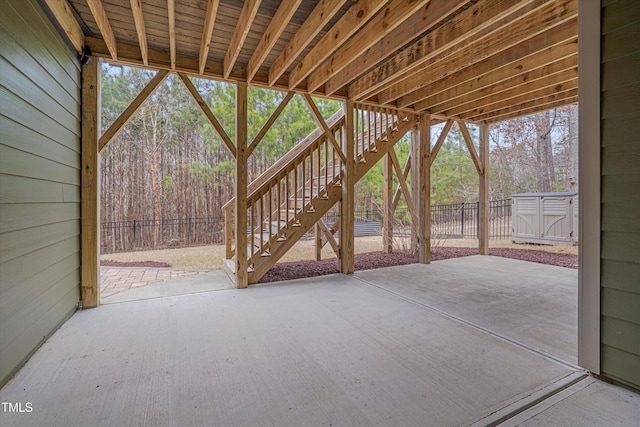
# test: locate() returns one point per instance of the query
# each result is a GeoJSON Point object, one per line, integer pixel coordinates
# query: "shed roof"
{"type": "Point", "coordinates": [480, 60]}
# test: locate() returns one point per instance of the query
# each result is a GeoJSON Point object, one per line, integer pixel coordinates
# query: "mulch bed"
{"type": "Point", "coordinates": [372, 260]}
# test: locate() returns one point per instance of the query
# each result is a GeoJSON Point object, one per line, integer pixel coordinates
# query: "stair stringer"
{"type": "Point", "coordinates": [318, 206]}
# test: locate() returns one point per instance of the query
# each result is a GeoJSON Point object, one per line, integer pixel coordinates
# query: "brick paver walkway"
{"type": "Point", "coordinates": [114, 280]}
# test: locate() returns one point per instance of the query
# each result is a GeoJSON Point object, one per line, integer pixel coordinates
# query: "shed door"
{"type": "Point", "coordinates": [557, 217]}
{"type": "Point", "coordinates": [525, 220]}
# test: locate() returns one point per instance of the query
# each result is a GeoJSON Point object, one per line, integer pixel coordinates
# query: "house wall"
{"type": "Point", "coordinates": [39, 182]}
{"type": "Point", "coordinates": [620, 195]}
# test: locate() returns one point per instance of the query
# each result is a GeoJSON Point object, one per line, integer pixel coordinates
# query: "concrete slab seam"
{"type": "Point", "coordinates": [529, 348]}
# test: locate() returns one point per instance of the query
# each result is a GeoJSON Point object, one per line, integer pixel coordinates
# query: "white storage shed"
{"type": "Point", "coordinates": [545, 218]}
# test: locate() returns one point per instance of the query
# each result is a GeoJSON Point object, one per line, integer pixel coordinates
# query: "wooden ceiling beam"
{"type": "Point", "coordinates": [160, 60]}
{"type": "Point", "coordinates": [67, 21]}
{"type": "Point", "coordinates": [314, 23]}
{"type": "Point", "coordinates": [417, 23]}
{"type": "Point", "coordinates": [511, 91]}
{"type": "Point", "coordinates": [514, 41]}
{"type": "Point", "coordinates": [102, 21]}
{"type": "Point", "coordinates": [205, 42]}
{"type": "Point", "coordinates": [138, 19]}
{"type": "Point", "coordinates": [454, 35]}
{"type": "Point", "coordinates": [348, 25]}
{"type": "Point", "coordinates": [278, 23]}
{"type": "Point", "coordinates": [247, 15]}
{"type": "Point", "coordinates": [530, 69]}
{"type": "Point", "coordinates": [171, 14]}
{"type": "Point", "coordinates": [382, 24]}
{"type": "Point", "coordinates": [495, 105]}
{"type": "Point", "coordinates": [531, 106]}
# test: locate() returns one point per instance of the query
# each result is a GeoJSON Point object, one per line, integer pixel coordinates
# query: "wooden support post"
{"type": "Point", "coordinates": [483, 208]}
{"type": "Point", "coordinates": [347, 255]}
{"type": "Point", "coordinates": [242, 274]}
{"type": "Point", "coordinates": [387, 196]}
{"type": "Point", "coordinates": [422, 198]}
{"type": "Point", "coordinates": [90, 180]}
{"type": "Point", "coordinates": [415, 181]}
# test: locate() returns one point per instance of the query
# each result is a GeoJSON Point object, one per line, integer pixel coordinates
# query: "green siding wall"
{"type": "Point", "coordinates": [39, 182]}
{"type": "Point", "coordinates": [620, 274]}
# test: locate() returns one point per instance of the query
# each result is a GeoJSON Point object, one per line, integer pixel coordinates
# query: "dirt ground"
{"type": "Point", "coordinates": [300, 261]}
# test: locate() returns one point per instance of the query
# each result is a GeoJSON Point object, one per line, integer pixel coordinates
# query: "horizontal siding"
{"type": "Point", "coordinates": [621, 43]}
{"type": "Point", "coordinates": [39, 182]}
{"type": "Point", "coordinates": [620, 197]}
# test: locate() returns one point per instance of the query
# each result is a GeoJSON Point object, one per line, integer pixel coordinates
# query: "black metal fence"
{"type": "Point", "coordinates": [459, 221]}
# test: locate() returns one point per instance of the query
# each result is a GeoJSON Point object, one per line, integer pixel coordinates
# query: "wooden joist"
{"type": "Point", "coordinates": [350, 23]}
{"type": "Point", "coordinates": [63, 14]}
{"type": "Point", "coordinates": [271, 35]}
{"type": "Point", "coordinates": [455, 33]}
{"type": "Point", "coordinates": [138, 18]}
{"type": "Point", "coordinates": [205, 42]}
{"type": "Point", "coordinates": [102, 21]}
{"type": "Point", "coordinates": [548, 61]}
{"type": "Point", "coordinates": [509, 44]}
{"type": "Point", "coordinates": [382, 24]}
{"type": "Point", "coordinates": [248, 14]}
{"type": "Point", "coordinates": [171, 16]}
{"type": "Point", "coordinates": [314, 23]}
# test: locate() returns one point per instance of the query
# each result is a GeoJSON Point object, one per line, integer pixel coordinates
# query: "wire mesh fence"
{"type": "Point", "coordinates": [459, 220]}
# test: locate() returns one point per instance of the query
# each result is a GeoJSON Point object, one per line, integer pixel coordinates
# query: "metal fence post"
{"type": "Point", "coordinates": [462, 220]}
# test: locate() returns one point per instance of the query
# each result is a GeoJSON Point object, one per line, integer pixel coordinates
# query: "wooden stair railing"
{"type": "Point", "coordinates": [293, 196]}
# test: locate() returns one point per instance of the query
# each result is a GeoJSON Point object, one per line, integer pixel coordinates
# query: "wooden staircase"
{"type": "Point", "coordinates": [292, 195]}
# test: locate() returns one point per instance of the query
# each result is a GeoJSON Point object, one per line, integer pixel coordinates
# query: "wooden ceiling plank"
{"type": "Point", "coordinates": [278, 23]}
{"type": "Point", "coordinates": [418, 23]}
{"type": "Point", "coordinates": [205, 42]}
{"type": "Point", "coordinates": [208, 113]}
{"type": "Point", "coordinates": [247, 15]}
{"type": "Point", "coordinates": [274, 116]}
{"type": "Point", "coordinates": [500, 104]}
{"type": "Point", "coordinates": [389, 18]}
{"type": "Point", "coordinates": [171, 14]}
{"type": "Point", "coordinates": [510, 92]}
{"type": "Point", "coordinates": [510, 43]}
{"type": "Point", "coordinates": [67, 21]}
{"type": "Point", "coordinates": [532, 106]}
{"type": "Point", "coordinates": [314, 23]}
{"type": "Point", "coordinates": [348, 25]}
{"type": "Point", "coordinates": [530, 69]}
{"type": "Point", "coordinates": [131, 110]}
{"type": "Point", "coordinates": [102, 21]}
{"type": "Point", "coordinates": [138, 19]}
{"type": "Point", "coordinates": [453, 35]}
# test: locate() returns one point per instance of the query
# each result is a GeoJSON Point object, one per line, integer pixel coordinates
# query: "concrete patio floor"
{"type": "Point", "coordinates": [470, 341]}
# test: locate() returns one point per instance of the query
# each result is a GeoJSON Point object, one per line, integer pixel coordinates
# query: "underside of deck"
{"type": "Point", "coordinates": [470, 341]}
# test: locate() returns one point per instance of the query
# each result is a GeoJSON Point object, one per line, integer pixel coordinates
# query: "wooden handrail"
{"type": "Point", "coordinates": [334, 123]}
